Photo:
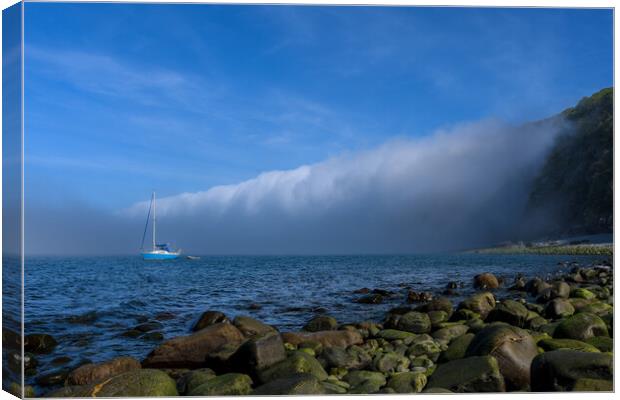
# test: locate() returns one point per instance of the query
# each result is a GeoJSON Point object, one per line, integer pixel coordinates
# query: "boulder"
{"type": "Point", "coordinates": [571, 344]}
{"type": "Point", "coordinates": [326, 338]}
{"type": "Point", "coordinates": [448, 333]}
{"type": "Point", "coordinates": [293, 385]}
{"type": "Point", "coordinates": [416, 297]}
{"type": "Point", "coordinates": [136, 383]}
{"type": "Point", "coordinates": [603, 343]}
{"type": "Point", "coordinates": [363, 382]}
{"type": "Point", "coordinates": [457, 348]}
{"type": "Point", "coordinates": [581, 326]}
{"type": "Point", "coordinates": [39, 343]}
{"type": "Point", "coordinates": [224, 385]}
{"type": "Point", "coordinates": [468, 375]}
{"type": "Point", "coordinates": [53, 378]}
{"type": "Point", "coordinates": [509, 311]}
{"type": "Point", "coordinates": [560, 370]}
{"type": "Point", "coordinates": [581, 293]}
{"type": "Point", "coordinates": [481, 303]}
{"type": "Point", "coordinates": [194, 378]}
{"type": "Point", "coordinates": [512, 347]}
{"type": "Point", "coordinates": [395, 334]}
{"type": "Point", "coordinates": [191, 351]}
{"type": "Point", "coordinates": [424, 345]}
{"type": "Point", "coordinates": [93, 373]}
{"type": "Point", "coordinates": [354, 357]}
{"type": "Point", "coordinates": [370, 299]}
{"type": "Point", "coordinates": [209, 318]}
{"type": "Point", "coordinates": [486, 281]}
{"type": "Point", "coordinates": [258, 353]}
{"type": "Point", "coordinates": [557, 289]}
{"type": "Point", "coordinates": [298, 362]}
{"type": "Point", "coordinates": [390, 362]}
{"type": "Point", "coordinates": [593, 385]}
{"type": "Point", "coordinates": [407, 382]}
{"type": "Point", "coordinates": [536, 286]}
{"type": "Point", "coordinates": [415, 322]}
{"type": "Point", "coordinates": [438, 304]}
{"type": "Point", "coordinates": [559, 308]}
{"type": "Point", "coordinates": [321, 323]}
{"type": "Point", "coordinates": [250, 327]}
{"type": "Point", "coordinates": [437, 317]}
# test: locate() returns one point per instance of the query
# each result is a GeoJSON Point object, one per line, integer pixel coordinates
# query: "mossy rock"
{"type": "Point", "coordinates": [464, 314]}
{"type": "Point", "coordinates": [449, 333]}
{"type": "Point", "coordinates": [407, 382]}
{"type": "Point", "coordinates": [513, 348]}
{"type": "Point", "coordinates": [581, 326]}
{"type": "Point", "coordinates": [395, 334]}
{"type": "Point", "coordinates": [16, 390]}
{"type": "Point", "coordinates": [297, 363]}
{"type": "Point", "coordinates": [603, 343]}
{"type": "Point", "coordinates": [192, 379]}
{"type": "Point", "coordinates": [224, 385]}
{"type": "Point", "coordinates": [560, 370]}
{"type": "Point", "coordinates": [481, 303]}
{"type": "Point", "coordinates": [321, 323]}
{"type": "Point", "coordinates": [593, 385]}
{"type": "Point", "coordinates": [457, 348]}
{"type": "Point", "coordinates": [293, 385]}
{"type": "Point", "coordinates": [509, 311]}
{"type": "Point", "coordinates": [559, 308]}
{"type": "Point", "coordinates": [598, 308]}
{"type": "Point", "coordinates": [390, 362]}
{"type": "Point", "coordinates": [365, 381]}
{"type": "Point", "coordinates": [437, 317]}
{"type": "Point", "coordinates": [556, 344]}
{"type": "Point", "coordinates": [136, 383]}
{"type": "Point", "coordinates": [415, 322]}
{"type": "Point", "coordinates": [423, 345]}
{"type": "Point", "coordinates": [469, 375]}
{"type": "Point", "coordinates": [354, 357]}
{"type": "Point", "coordinates": [536, 323]}
{"type": "Point", "coordinates": [581, 293]}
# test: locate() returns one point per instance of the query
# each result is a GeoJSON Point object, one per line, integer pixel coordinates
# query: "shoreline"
{"type": "Point", "coordinates": [417, 347]}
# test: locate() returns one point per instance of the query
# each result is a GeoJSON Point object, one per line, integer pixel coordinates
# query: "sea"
{"type": "Point", "coordinates": [87, 303]}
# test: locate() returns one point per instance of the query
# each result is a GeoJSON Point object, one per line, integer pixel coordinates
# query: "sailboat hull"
{"type": "Point", "coordinates": [160, 256]}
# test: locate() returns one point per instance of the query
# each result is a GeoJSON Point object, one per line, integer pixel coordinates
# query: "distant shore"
{"type": "Point", "coordinates": [605, 249]}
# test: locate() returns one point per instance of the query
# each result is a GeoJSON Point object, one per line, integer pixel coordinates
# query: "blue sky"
{"type": "Point", "coordinates": [121, 99]}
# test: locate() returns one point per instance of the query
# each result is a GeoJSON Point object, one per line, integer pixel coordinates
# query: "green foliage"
{"type": "Point", "coordinates": [576, 182]}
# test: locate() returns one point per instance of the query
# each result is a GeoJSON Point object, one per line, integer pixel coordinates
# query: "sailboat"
{"type": "Point", "coordinates": [159, 251]}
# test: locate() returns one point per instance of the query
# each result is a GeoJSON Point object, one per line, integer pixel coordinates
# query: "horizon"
{"type": "Point", "coordinates": [240, 128]}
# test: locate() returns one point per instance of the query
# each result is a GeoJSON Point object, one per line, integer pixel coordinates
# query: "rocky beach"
{"type": "Point", "coordinates": [529, 333]}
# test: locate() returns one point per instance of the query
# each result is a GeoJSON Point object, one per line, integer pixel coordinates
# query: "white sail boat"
{"type": "Point", "coordinates": [159, 251]}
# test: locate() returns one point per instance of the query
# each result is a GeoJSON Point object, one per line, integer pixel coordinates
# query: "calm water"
{"type": "Point", "coordinates": [116, 293]}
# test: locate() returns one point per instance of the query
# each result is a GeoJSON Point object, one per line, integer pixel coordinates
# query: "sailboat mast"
{"type": "Point", "coordinates": [154, 220]}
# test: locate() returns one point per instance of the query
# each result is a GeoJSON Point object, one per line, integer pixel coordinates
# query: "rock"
{"type": "Point", "coordinates": [326, 338]}
{"type": "Point", "coordinates": [464, 315]}
{"type": "Point", "coordinates": [407, 382]}
{"type": "Point", "coordinates": [486, 281]}
{"type": "Point", "coordinates": [603, 343]}
{"type": "Point", "coordinates": [11, 339]}
{"type": "Point", "coordinates": [364, 381]}
{"type": "Point", "coordinates": [437, 317]}
{"type": "Point", "coordinates": [53, 378]}
{"type": "Point", "coordinates": [582, 294]}
{"type": "Point", "coordinates": [509, 311]}
{"type": "Point", "coordinates": [457, 348]}
{"type": "Point", "coordinates": [481, 303]}
{"type": "Point", "coordinates": [370, 299]}
{"type": "Point", "coordinates": [438, 304]}
{"type": "Point", "coordinates": [191, 351]}
{"type": "Point", "coordinates": [451, 332]}
{"type": "Point", "coordinates": [16, 390]}
{"type": "Point", "coordinates": [536, 286]}
{"type": "Point", "coordinates": [560, 370]}
{"type": "Point", "coordinates": [415, 297]}
{"type": "Point", "coordinates": [557, 289]}
{"type": "Point", "coordinates": [293, 385]}
{"type": "Point", "coordinates": [556, 344]}
{"type": "Point", "coordinates": [581, 326]}
{"type": "Point", "coordinates": [394, 334]}
{"type": "Point", "coordinates": [321, 323]}
{"type": "Point", "coordinates": [536, 323]}
{"type": "Point", "coordinates": [298, 362]}
{"type": "Point", "coordinates": [390, 362]}
{"type": "Point", "coordinates": [39, 343]}
{"type": "Point", "coordinates": [258, 353]}
{"type": "Point", "coordinates": [415, 322]}
{"type": "Point", "coordinates": [153, 337]}
{"type": "Point", "coordinates": [593, 385]}
{"type": "Point", "coordinates": [14, 361]}
{"type": "Point", "coordinates": [354, 357]}
{"type": "Point", "coordinates": [362, 291]}
{"type": "Point", "coordinates": [148, 326]}
{"type": "Point", "coordinates": [194, 378]}
{"type": "Point", "coordinates": [93, 373]}
{"type": "Point", "coordinates": [599, 308]}
{"type": "Point", "coordinates": [424, 345]}
{"type": "Point", "coordinates": [164, 316]}
{"type": "Point", "coordinates": [559, 308]}
{"type": "Point", "coordinates": [135, 383]}
{"type": "Point", "coordinates": [209, 318]}
{"type": "Point", "coordinates": [250, 327]}
{"type": "Point", "coordinates": [224, 385]}
{"type": "Point", "coordinates": [513, 348]}
{"type": "Point", "coordinates": [333, 388]}
{"type": "Point", "coordinates": [469, 375]}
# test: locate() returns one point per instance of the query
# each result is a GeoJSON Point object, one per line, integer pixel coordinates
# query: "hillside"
{"type": "Point", "coordinates": [573, 192]}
